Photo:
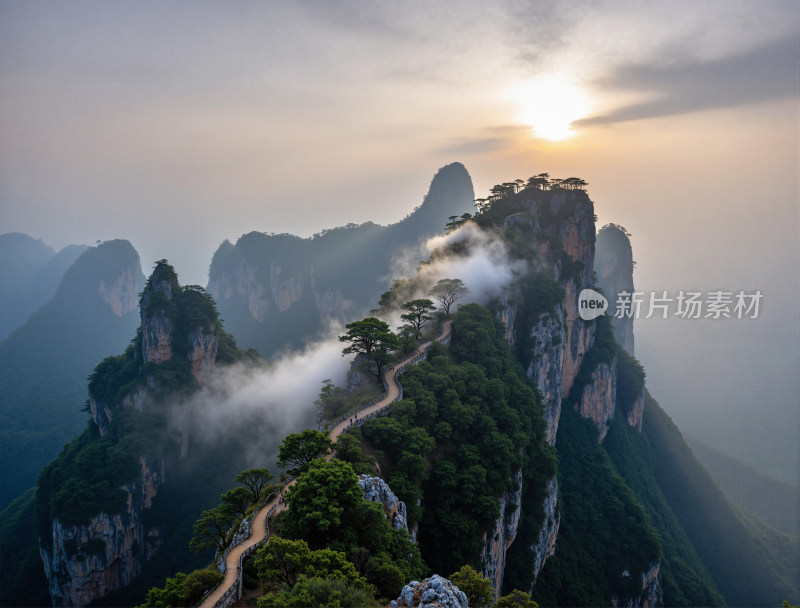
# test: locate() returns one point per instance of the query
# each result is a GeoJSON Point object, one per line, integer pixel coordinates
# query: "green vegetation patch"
{"type": "Point", "coordinates": [604, 529]}
{"type": "Point", "coordinates": [468, 422]}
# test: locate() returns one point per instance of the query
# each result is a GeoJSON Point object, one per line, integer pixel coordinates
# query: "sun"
{"type": "Point", "coordinates": [549, 104]}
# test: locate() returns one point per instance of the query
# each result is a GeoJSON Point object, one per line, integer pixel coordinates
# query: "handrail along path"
{"type": "Point", "coordinates": [230, 589]}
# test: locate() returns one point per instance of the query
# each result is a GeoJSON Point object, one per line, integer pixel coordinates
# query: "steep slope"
{"type": "Point", "coordinates": [276, 290]}
{"type": "Point", "coordinates": [607, 551]}
{"type": "Point", "coordinates": [548, 238]}
{"type": "Point", "coordinates": [750, 563]}
{"type": "Point", "coordinates": [30, 272]}
{"type": "Point", "coordinates": [96, 515]}
{"type": "Point", "coordinates": [775, 502]}
{"type": "Point", "coordinates": [45, 362]}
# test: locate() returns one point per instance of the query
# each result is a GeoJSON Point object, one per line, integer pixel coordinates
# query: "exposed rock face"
{"type": "Point", "coordinates": [652, 594]}
{"type": "Point", "coordinates": [273, 289]}
{"type": "Point", "coordinates": [599, 397]}
{"type": "Point", "coordinates": [433, 592]}
{"type": "Point", "coordinates": [156, 325]}
{"type": "Point", "coordinates": [281, 291]}
{"type": "Point", "coordinates": [157, 339]}
{"type": "Point", "coordinates": [546, 541]}
{"type": "Point", "coordinates": [285, 290]}
{"type": "Point", "coordinates": [614, 267]}
{"type": "Point", "coordinates": [573, 222]}
{"type": "Point", "coordinates": [102, 414]}
{"type": "Point", "coordinates": [560, 338]}
{"type": "Point", "coordinates": [331, 303]}
{"type": "Point", "coordinates": [547, 366]}
{"type": "Point", "coordinates": [652, 587]}
{"type": "Point", "coordinates": [378, 491]}
{"type": "Point", "coordinates": [493, 553]}
{"type": "Point", "coordinates": [121, 294]}
{"type": "Point", "coordinates": [202, 354]}
{"type": "Point", "coordinates": [241, 281]}
{"type": "Point", "coordinates": [636, 414]}
{"type": "Point", "coordinates": [85, 562]}
{"type": "Point", "coordinates": [361, 372]}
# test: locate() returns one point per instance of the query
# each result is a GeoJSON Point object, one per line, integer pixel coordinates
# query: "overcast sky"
{"type": "Point", "coordinates": [178, 125]}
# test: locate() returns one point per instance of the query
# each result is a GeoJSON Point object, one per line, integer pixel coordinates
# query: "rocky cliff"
{"type": "Point", "coordinates": [378, 491]}
{"type": "Point", "coordinates": [433, 592]}
{"type": "Point", "coordinates": [175, 350]}
{"type": "Point", "coordinates": [274, 289]}
{"type": "Point", "coordinates": [614, 268]}
{"type": "Point", "coordinates": [121, 292]}
{"type": "Point", "coordinates": [636, 413]}
{"type": "Point", "coordinates": [546, 542]}
{"type": "Point", "coordinates": [85, 562]}
{"type": "Point", "coordinates": [651, 594]}
{"type": "Point", "coordinates": [598, 399]}
{"type": "Point", "coordinates": [497, 542]}
{"type": "Point", "coordinates": [30, 272]}
{"type": "Point", "coordinates": [562, 223]}
{"type": "Point", "coordinates": [547, 365]}
{"type": "Point", "coordinates": [551, 338]}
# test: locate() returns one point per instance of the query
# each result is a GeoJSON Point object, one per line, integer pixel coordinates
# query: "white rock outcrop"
{"type": "Point", "coordinates": [433, 592]}
{"type": "Point", "coordinates": [378, 491]}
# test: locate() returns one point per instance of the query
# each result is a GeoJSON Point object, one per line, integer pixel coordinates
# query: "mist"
{"type": "Point", "coordinates": [477, 258]}
{"type": "Point", "coordinates": [271, 401]}
{"type": "Point", "coordinates": [279, 398]}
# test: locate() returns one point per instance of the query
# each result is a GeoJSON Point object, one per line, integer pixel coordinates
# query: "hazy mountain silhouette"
{"type": "Point", "coordinates": [275, 290]}
{"type": "Point", "coordinates": [45, 362]}
{"type": "Point", "coordinates": [30, 272]}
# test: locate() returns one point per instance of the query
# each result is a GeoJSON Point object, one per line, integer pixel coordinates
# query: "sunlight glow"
{"type": "Point", "coordinates": [549, 104]}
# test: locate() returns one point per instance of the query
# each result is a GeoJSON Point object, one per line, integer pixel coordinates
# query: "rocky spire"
{"type": "Point", "coordinates": [155, 307]}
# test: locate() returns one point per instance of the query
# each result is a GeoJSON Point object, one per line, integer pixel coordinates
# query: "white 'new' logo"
{"type": "Point", "coordinates": [591, 304]}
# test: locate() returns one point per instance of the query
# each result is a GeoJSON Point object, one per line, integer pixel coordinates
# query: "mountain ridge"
{"type": "Point", "coordinates": [46, 360]}
{"type": "Point", "coordinates": [265, 285]}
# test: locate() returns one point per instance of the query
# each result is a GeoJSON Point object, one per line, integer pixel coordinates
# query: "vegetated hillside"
{"type": "Point", "coordinates": [278, 289]}
{"type": "Point", "coordinates": [30, 272]}
{"type": "Point", "coordinates": [775, 502]}
{"type": "Point", "coordinates": [605, 532]}
{"type": "Point", "coordinates": [45, 362]}
{"type": "Point", "coordinates": [468, 424]}
{"type": "Point", "coordinates": [638, 517]}
{"type": "Point", "coordinates": [116, 508]}
{"type": "Point", "coordinates": [751, 563]}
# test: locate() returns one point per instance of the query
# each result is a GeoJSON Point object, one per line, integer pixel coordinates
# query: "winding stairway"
{"type": "Point", "coordinates": [230, 589]}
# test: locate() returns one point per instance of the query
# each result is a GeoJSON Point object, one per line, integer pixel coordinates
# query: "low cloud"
{"type": "Point", "coordinates": [271, 401]}
{"type": "Point", "coordinates": [477, 257]}
{"type": "Point", "coordinates": [279, 399]}
{"type": "Point", "coordinates": [486, 268]}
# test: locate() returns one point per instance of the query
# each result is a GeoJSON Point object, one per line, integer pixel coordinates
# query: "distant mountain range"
{"type": "Point", "coordinates": [30, 272]}
{"type": "Point", "coordinates": [277, 290]}
{"type": "Point", "coordinates": [45, 361]}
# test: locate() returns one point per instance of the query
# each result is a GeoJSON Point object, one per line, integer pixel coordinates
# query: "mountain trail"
{"type": "Point", "coordinates": [229, 590]}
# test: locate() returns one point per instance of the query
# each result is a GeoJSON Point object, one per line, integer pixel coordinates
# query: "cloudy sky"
{"type": "Point", "coordinates": [177, 125]}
